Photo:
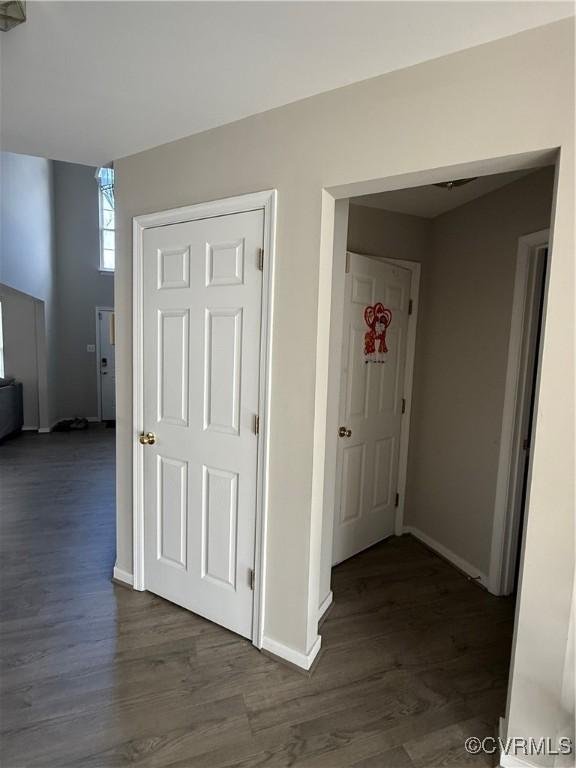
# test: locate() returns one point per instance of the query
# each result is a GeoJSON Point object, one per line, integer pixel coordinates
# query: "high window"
{"type": "Point", "coordinates": [105, 178]}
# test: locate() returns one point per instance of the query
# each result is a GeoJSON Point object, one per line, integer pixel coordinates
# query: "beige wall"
{"type": "Point", "coordinates": [511, 96]}
{"type": "Point", "coordinates": [388, 234]}
{"type": "Point", "coordinates": [460, 368]}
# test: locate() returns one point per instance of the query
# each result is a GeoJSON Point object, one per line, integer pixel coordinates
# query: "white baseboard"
{"type": "Point", "coordinates": [30, 429]}
{"type": "Point", "coordinates": [124, 576]}
{"type": "Point", "coordinates": [513, 761]}
{"type": "Point", "coordinates": [452, 557]}
{"type": "Point", "coordinates": [325, 604]}
{"type": "Point", "coordinates": [302, 660]}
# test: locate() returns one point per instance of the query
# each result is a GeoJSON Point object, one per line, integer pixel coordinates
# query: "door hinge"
{"type": "Point", "coordinates": [251, 578]}
{"type": "Point", "coordinates": [410, 305]}
{"type": "Point", "coordinates": [525, 444]}
{"type": "Point", "coordinates": [261, 259]}
{"type": "Point", "coordinates": [347, 267]}
{"type": "Point", "coordinates": [397, 500]}
{"type": "Point", "coordinates": [403, 405]}
{"type": "Point", "coordinates": [256, 424]}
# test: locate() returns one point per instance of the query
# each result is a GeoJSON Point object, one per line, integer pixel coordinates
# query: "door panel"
{"type": "Point", "coordinates": [370, 404]}
{"type": "Point", "coordinates": [222, 369]}
{"type": "Point", "coordinates": [220, 512]}
{"type": "Point", "coordinates": [202, 298]}
{"type": "Point", "coordinates": [172, 477]}
{"type": "Point", "coordinates": [173, 366]}
{"type": "Point", "coordinates": [352, 482]}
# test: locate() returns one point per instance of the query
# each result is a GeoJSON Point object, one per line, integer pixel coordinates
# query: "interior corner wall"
{"type": "Point", "coordinates": [80, 286]}
{"type": "Point", "coordinates": [460, 366]}
{"type": "Point", "coordinates": [502, 99]}
{"type": "Point", "coordinates": [27, 257]}
{"type": "Point", "coordinates": [20, 349]}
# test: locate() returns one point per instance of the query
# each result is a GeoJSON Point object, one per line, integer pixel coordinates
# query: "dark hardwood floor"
{"type": "Point", "coordinates": [415, 658]}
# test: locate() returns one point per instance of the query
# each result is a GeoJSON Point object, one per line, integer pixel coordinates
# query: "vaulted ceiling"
{"type": "Point", "coordinates": [90, 82]}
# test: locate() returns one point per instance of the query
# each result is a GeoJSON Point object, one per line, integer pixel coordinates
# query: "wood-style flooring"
{"type": "Point", "coordinates": [415, 657]}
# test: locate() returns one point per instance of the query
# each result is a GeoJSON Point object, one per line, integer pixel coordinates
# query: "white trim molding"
{"type": "Point", "coordinates": [415, 268]}
{"type": "Point", "coordinates": [513, 761]}
{"type": "Point", "coordinates": [123, 576]}
{"type": "Point", "coordinates": [325, 604]}
{"type": "Point", "coordinates": [462, 565]}
{"type": "Point", "coordinates": [299, 659]}
{"type": "Point", "coordinates": [266, 202]}
{"type": "Point", "coordinates": [517, 394]}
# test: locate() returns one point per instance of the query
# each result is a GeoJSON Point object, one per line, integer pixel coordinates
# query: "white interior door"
{"type": "Point", "coordinates": [202, 298]}
{"type": "Point", "coordinates": [376, 307]}
{"type": "Point", "coordinates": [107, 364]}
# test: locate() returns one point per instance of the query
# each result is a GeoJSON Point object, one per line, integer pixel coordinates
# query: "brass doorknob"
{"type": "Point", "coordinates": [344, 432]}
{"type": "Point", "coordinates": [147, 439]}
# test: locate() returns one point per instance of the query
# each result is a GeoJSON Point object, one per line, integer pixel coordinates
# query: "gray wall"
{"type": "Point", "coordinates": [80, 285]}
{"type": "Point", "coordinates": [27, 262]}
{"type": "Point", "coordinates": [460, 367]}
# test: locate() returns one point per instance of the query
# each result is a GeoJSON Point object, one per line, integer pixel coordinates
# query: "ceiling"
{"type": "Point", "coordinates": [90, 82]}
{"type": "Point", "coordinates": [431, 201]}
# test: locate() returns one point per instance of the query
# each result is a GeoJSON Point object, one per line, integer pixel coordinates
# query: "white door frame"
{"type": "Point", "coordinates": [98, 381]}
{"type": "Point", "coordinates": [415, 269]}
{"type": "Point", "coordinates": [518, 389]}
{"type": "Point", "coordinates": [265, 201]}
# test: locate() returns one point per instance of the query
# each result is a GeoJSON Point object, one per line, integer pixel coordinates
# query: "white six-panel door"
{"type": "Point", "coordinates": [370, 405]}
{"type": "Point", "coordinates": [202, 300]}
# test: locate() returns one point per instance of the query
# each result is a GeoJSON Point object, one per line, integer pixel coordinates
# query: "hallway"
{"type": "Point", "coordinates": [414, 660]}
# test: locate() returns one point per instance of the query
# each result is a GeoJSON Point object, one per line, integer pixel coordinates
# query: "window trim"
{"type": "Point", "coordinates": [102, 229]}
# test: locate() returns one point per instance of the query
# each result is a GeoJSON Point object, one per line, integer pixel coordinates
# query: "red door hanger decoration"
{"type": "Point", "coordinates": [377, 318]}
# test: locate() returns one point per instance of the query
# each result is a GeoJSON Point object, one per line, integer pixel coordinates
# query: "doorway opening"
{"type": "Point", "coordinates": [438, 299]}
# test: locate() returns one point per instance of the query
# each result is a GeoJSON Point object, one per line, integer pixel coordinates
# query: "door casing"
{"type": "Point", "coordinates": [265, 201]}
{"type": "Point", "coordinates": [519, 387]}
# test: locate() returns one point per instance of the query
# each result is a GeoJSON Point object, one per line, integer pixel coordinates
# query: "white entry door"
{"type": "Point", "coordinates": [376, 307]}
{"type": "Point", "coordinates": [107, 364]}
{"type": "Point", "coordinates": [202, 299]}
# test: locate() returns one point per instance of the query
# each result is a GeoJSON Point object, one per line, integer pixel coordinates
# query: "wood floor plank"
{"type": "Point", "coordinates": [94, 675]}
